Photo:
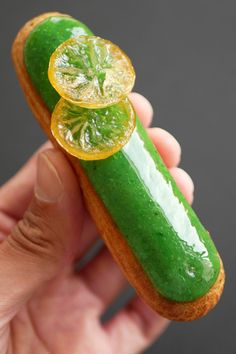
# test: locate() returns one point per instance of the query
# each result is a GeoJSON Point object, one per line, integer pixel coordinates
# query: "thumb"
{"type": "Point", "coordinates": [42, 242]}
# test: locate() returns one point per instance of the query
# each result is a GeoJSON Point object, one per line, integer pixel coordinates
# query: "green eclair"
{"type": "Point", "coordinates": [160, 231]}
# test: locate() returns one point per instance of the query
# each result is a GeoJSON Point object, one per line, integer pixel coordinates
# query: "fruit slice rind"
{"type": "Point", "coordinates": [92, 134]}
{"type": "Point", "coordinates": [91, 72]}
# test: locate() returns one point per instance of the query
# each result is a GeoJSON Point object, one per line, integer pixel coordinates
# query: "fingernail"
{"type": "Point", "coordinates": [48, 187]}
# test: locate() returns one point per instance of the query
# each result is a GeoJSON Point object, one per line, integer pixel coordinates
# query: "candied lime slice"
{"type": "Point", "coordinates": [91, 72]}
{"type": "Point", "coordinates": [92, 134]}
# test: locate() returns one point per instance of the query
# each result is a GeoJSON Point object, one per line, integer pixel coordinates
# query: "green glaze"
{"type": "Point", "coordinates": [166, 236]}
{"type": "Point", "coordinates": [49, 35]}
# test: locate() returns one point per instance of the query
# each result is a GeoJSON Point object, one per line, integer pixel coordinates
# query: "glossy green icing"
{"type": "Point", "coordinates": [166, 236]}
{"type": "Point", "coordinates": [41, 44]}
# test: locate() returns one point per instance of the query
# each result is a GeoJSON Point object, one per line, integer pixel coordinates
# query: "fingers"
{"type": "Point", "coordinates": [167, 146]}
{"type": "Point", "coordinates": [184, 182]}
{"type": "Point", "coordinates": [44, 240]}
{"type": "Point", "coordinates": [142, 107]}
{"type": "Point", "coordinates": [16, 194]}
{"type": "Point", "coordinates": [138, 319]}
{"type": "Point", "coordinates": [103, 270]}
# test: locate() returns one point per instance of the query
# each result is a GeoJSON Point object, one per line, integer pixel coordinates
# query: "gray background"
{"type": "Point", "coordinates": [184, 53]}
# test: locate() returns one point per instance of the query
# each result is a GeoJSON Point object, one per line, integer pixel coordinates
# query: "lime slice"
{"type": "Point", "coordinates": [91, 72]}
{"type": "Point", "coordinates": [92, 134]}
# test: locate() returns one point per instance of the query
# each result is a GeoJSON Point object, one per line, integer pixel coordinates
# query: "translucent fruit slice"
{"type": "Point", "coordinates": [91, 72]}
{"type": "Point", "coordinates": [92, 134]}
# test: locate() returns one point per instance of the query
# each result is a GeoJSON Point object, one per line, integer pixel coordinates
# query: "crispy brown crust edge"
{"type": "Point", "coordinates": [179, 311]}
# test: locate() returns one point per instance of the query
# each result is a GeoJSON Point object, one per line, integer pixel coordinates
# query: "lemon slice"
{"type": "Point", "coordinates": [92, 134]}
{"type": "Point", "coordinates": [91, 72]}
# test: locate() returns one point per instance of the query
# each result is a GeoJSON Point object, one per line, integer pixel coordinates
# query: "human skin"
{"type": "Point", "coordinates": [45, 305]}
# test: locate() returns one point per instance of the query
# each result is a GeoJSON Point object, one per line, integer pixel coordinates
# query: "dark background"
{"type": "Point", "coordinates": [184, 53]}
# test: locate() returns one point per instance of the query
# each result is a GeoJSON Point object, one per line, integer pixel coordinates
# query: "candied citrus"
{"type": "Point", "coordinates": [91, 72]}
{"type": "Point", "coordinates": [92, 134]}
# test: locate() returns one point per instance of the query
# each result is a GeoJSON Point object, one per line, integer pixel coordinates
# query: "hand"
{"type": "Point", "coordinates": [45, 306]}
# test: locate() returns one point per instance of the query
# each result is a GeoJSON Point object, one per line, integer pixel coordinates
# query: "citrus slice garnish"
{"type": "Point", "coordinates": [91, 72]}
{"type": "Point", "coordinates": [92, 134]}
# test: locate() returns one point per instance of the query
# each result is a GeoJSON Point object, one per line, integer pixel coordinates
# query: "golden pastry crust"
{"type": "Point", "coordinates": [179, 311]}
